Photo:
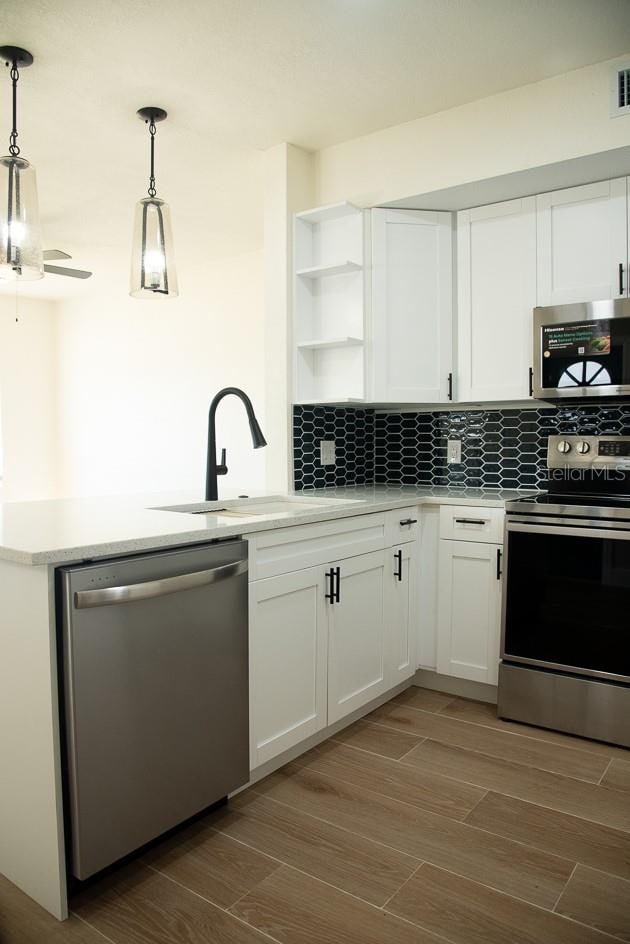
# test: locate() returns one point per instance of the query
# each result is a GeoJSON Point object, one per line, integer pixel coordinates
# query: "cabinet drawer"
{"type": "Point", "coordinates": [401, 526]}
{"type": "Point", "coordinates": [471, 523]}
{"type": "Point", "coordinates": [288, 549]}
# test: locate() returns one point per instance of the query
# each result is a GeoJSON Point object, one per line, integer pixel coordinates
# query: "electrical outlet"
{"type": "Point", "coordinates": [327, 454]}
{"type": "Point", "coordinates": [454, 452]}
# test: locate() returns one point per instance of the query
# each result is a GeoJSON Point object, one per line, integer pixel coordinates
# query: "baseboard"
{"type": "Point", "coordinates": [276, 762]}
{"type": "Point", "coordinates": [464, 688]}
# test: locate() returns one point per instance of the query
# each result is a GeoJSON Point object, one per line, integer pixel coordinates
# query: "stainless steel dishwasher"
{"type": "Point", "coordinates": [155, 680]}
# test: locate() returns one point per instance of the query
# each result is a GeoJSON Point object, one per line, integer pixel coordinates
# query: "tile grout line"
{"type": "Point", "coordinates": [491, 888]}
{"type": "Point", "coordinates": [428, 737]}
{"type": "Point", "coordinates": [91, 926]}
{"type": "Point", "coordinates": [608, 766]}
{"type": "Point", "coordinates": [289, 865]}
{"type": "Point", "coordinates": [489, 727]}
{"type": "Point", "coordinates": [213, 904]}
{"type": "Point", "coordinates": [471, 811]}
{"type": "Point", "coordinates": [516, 842]}
{"type": "Point", "coordinates": [623, 829]}
{"type": "Point", "coordinates": [398, 890]}
{"type": "Point", "coordinates": [566, 885]}
{"type": "Point", "coordinates": [399, 760]}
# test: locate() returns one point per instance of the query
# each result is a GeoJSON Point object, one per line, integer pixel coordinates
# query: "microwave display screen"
{"type": "Point", "coordinates": [586, 354]}
{"type": "Point", "coordinates": [577, 340]}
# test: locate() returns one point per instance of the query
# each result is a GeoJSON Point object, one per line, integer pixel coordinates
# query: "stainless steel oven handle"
{"type": "Point", "coordinates": [111, 596]}
{"type": "Point", "coordinates": [533, 527]}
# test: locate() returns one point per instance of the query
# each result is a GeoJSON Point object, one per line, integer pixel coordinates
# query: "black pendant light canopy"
{"type": "Point", "coordinates": [153, 272]}
{"type": "Point", "coordinates": [21, 256]}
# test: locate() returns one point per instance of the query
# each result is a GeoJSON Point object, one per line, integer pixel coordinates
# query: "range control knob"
{"type": "Point", "coordinates": [583, 447]}
{"type": "Point", "coordinates": [564, 447]}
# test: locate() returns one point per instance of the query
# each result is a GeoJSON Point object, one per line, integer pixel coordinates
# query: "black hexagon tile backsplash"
{"type": "Point", "coordinates": [500, 448]}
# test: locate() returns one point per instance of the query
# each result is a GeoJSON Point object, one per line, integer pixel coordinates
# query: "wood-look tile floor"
{"type": "Point", "coordinates": [430, 821]}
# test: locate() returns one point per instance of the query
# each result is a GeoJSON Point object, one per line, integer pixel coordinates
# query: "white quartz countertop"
{"type": "Point", "coordinates": [76, 529]}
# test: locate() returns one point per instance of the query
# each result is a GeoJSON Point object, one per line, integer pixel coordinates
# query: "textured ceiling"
{"type": "Point", "coordinates": [239, 76]}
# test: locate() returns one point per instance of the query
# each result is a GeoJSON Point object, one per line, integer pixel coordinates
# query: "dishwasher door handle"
{"type": "Point", "coordinates": [110, 596]}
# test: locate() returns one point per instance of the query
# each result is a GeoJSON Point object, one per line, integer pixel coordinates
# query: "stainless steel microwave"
{"type": "Point", "coordinates": [582, 350]}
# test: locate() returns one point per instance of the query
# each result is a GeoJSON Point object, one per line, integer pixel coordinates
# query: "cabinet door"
{"type": "Point", "coordinates": [469, 605]}
{"type": "Point", "coordinates": [496, 276]}
{"type": "Point", "coordinates": [401, 632]}
{"type": "Point", "coordinates": [412, 293]}
{"type": "Point", "coordinates": [287, 658]}
{"type": "Point", "coordinates": [582, 241]}
{"type": "Point", "coordinates": [356, 635]}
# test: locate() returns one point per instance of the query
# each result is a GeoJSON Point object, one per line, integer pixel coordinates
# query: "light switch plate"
{"type": "Point", "coordinates": [327, 455]}
{"type": "Point", "coordinates": [454, 452]}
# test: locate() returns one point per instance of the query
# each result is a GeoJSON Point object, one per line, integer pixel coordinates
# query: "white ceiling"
{"type": "Point", "coordinates": [239, 76]}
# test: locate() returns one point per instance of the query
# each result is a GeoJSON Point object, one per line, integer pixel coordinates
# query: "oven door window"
{"type": "Point", "coordinates": [591, 355]}
{"type": "Point", "coordinates": [568, 601]}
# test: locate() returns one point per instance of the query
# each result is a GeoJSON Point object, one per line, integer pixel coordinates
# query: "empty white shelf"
{"type": "Point", "coordinates": [319, 272]}
{"type": "Point", "coordinates": [329, 342]}
{"type": "Point", "coordinates": [333, 211]}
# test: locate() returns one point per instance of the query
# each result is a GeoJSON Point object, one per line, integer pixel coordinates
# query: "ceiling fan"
{"type": "Point", "coordinates": [56, 254]}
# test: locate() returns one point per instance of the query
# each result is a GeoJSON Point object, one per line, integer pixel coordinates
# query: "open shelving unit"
{"type": "Point", "coordinates": [329, 305]}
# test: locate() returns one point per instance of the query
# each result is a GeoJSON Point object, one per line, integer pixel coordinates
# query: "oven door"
{"type": "Point", "coordinates": [566, 604]}
{"type": "Point", "coordinates": [582, 350]}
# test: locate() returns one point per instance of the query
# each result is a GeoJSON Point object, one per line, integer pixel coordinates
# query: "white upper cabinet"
{"type": "Point", "coordinates": [412, 291]}
{"type": "Point", "coordinates": [496, 275]}
{"type": "Point", "coordinates": [582, 243]}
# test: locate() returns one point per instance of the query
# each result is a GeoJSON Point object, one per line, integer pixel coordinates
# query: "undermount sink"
{"type": "Point", "coordinates": [252, 507]}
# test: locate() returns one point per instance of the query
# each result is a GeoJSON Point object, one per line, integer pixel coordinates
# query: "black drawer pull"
{"type": "Point", "coordinates": [398, 571]}
{"type": "Point", "coordinates": [449, 380]}
{"type": "Point", "coordinates": [470, 520]}
{"type": "Point", "coordinates": [330, 575]}
{"type": "Point", "coordinates": [621, 278]}
{"type": "Point", "coordinates": [407, 522]}
{"type": "Point", "coordinates": [334, 575]}
{"type": "Point", "coordinates": [499, 555]}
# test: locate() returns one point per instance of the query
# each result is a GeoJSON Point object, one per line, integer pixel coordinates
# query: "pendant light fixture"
{"type": "Point", "coordinates": [152, 264]}
{"type": "Point", "coordinates": [20, 235]}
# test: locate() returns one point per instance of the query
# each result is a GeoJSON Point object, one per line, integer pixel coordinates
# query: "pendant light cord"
{"type": "Point", "coordinates": [13, 145]}
{"type": "Point", "coordinates": [152, 129]}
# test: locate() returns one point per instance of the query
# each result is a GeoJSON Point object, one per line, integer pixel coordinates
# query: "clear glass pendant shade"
{"type": "Point", "coordinates": [152, 262]}
{"type": "Point", "coordinates": [20, 235]}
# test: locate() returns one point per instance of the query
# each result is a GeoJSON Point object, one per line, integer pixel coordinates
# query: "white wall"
{"type": "Point", "coordinates": [28, 417]}
{"type": "Point", "coordinates": [289, 177]}
{"type": "Point", "coordinates": [554, 120]}
{"type": "Point", "coordinates": [136, 377]}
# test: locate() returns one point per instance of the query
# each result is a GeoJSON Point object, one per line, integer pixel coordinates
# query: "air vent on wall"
{"type": "Point", "coordinates": [620, 90]}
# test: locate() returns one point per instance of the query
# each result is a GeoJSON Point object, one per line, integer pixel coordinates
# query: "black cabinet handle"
{"type": "Point", "coordinates": [330, 575]}
{"type": "Point", "coordinates": [531, 381]}
{"type": "Point", "coordinates": [398, 571]}
{"type": "Point", "coordinates": [407, 522]}
{"type": "Point", "coordinates": [450, 386]}
{"type": "Point", "coordinates": [338, 590]}
{"type": "Point", "coordinates": [621, 278]}
{"type": "Point", "coordinates": [470, 520]}
{"type": "Point", "coordinates": [499, 556]}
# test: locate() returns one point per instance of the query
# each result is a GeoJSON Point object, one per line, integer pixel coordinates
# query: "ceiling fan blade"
{"type": "Point", "coordinates": [72, 273]}
{"type": "Point", "coordinates": [53, 254]}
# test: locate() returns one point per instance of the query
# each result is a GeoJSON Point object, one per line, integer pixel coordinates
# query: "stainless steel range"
{"type": "Point", "coordinates": [565, 641]}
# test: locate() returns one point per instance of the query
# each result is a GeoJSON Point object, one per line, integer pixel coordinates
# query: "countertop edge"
{"type": "Point", "coordinates": [173, 538]}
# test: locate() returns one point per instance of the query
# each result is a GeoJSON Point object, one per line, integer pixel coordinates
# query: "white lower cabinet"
{"type": "Point", "coordinates": [469, 610]}
{"type": "Point", "coordinates": [401, 613]}
{"type": "Point", "coordinates": [287, 661]}
{"type": "Point", "coordinates": [322, 645]}
{"type": "Point", "coordinates": [356, 635]}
